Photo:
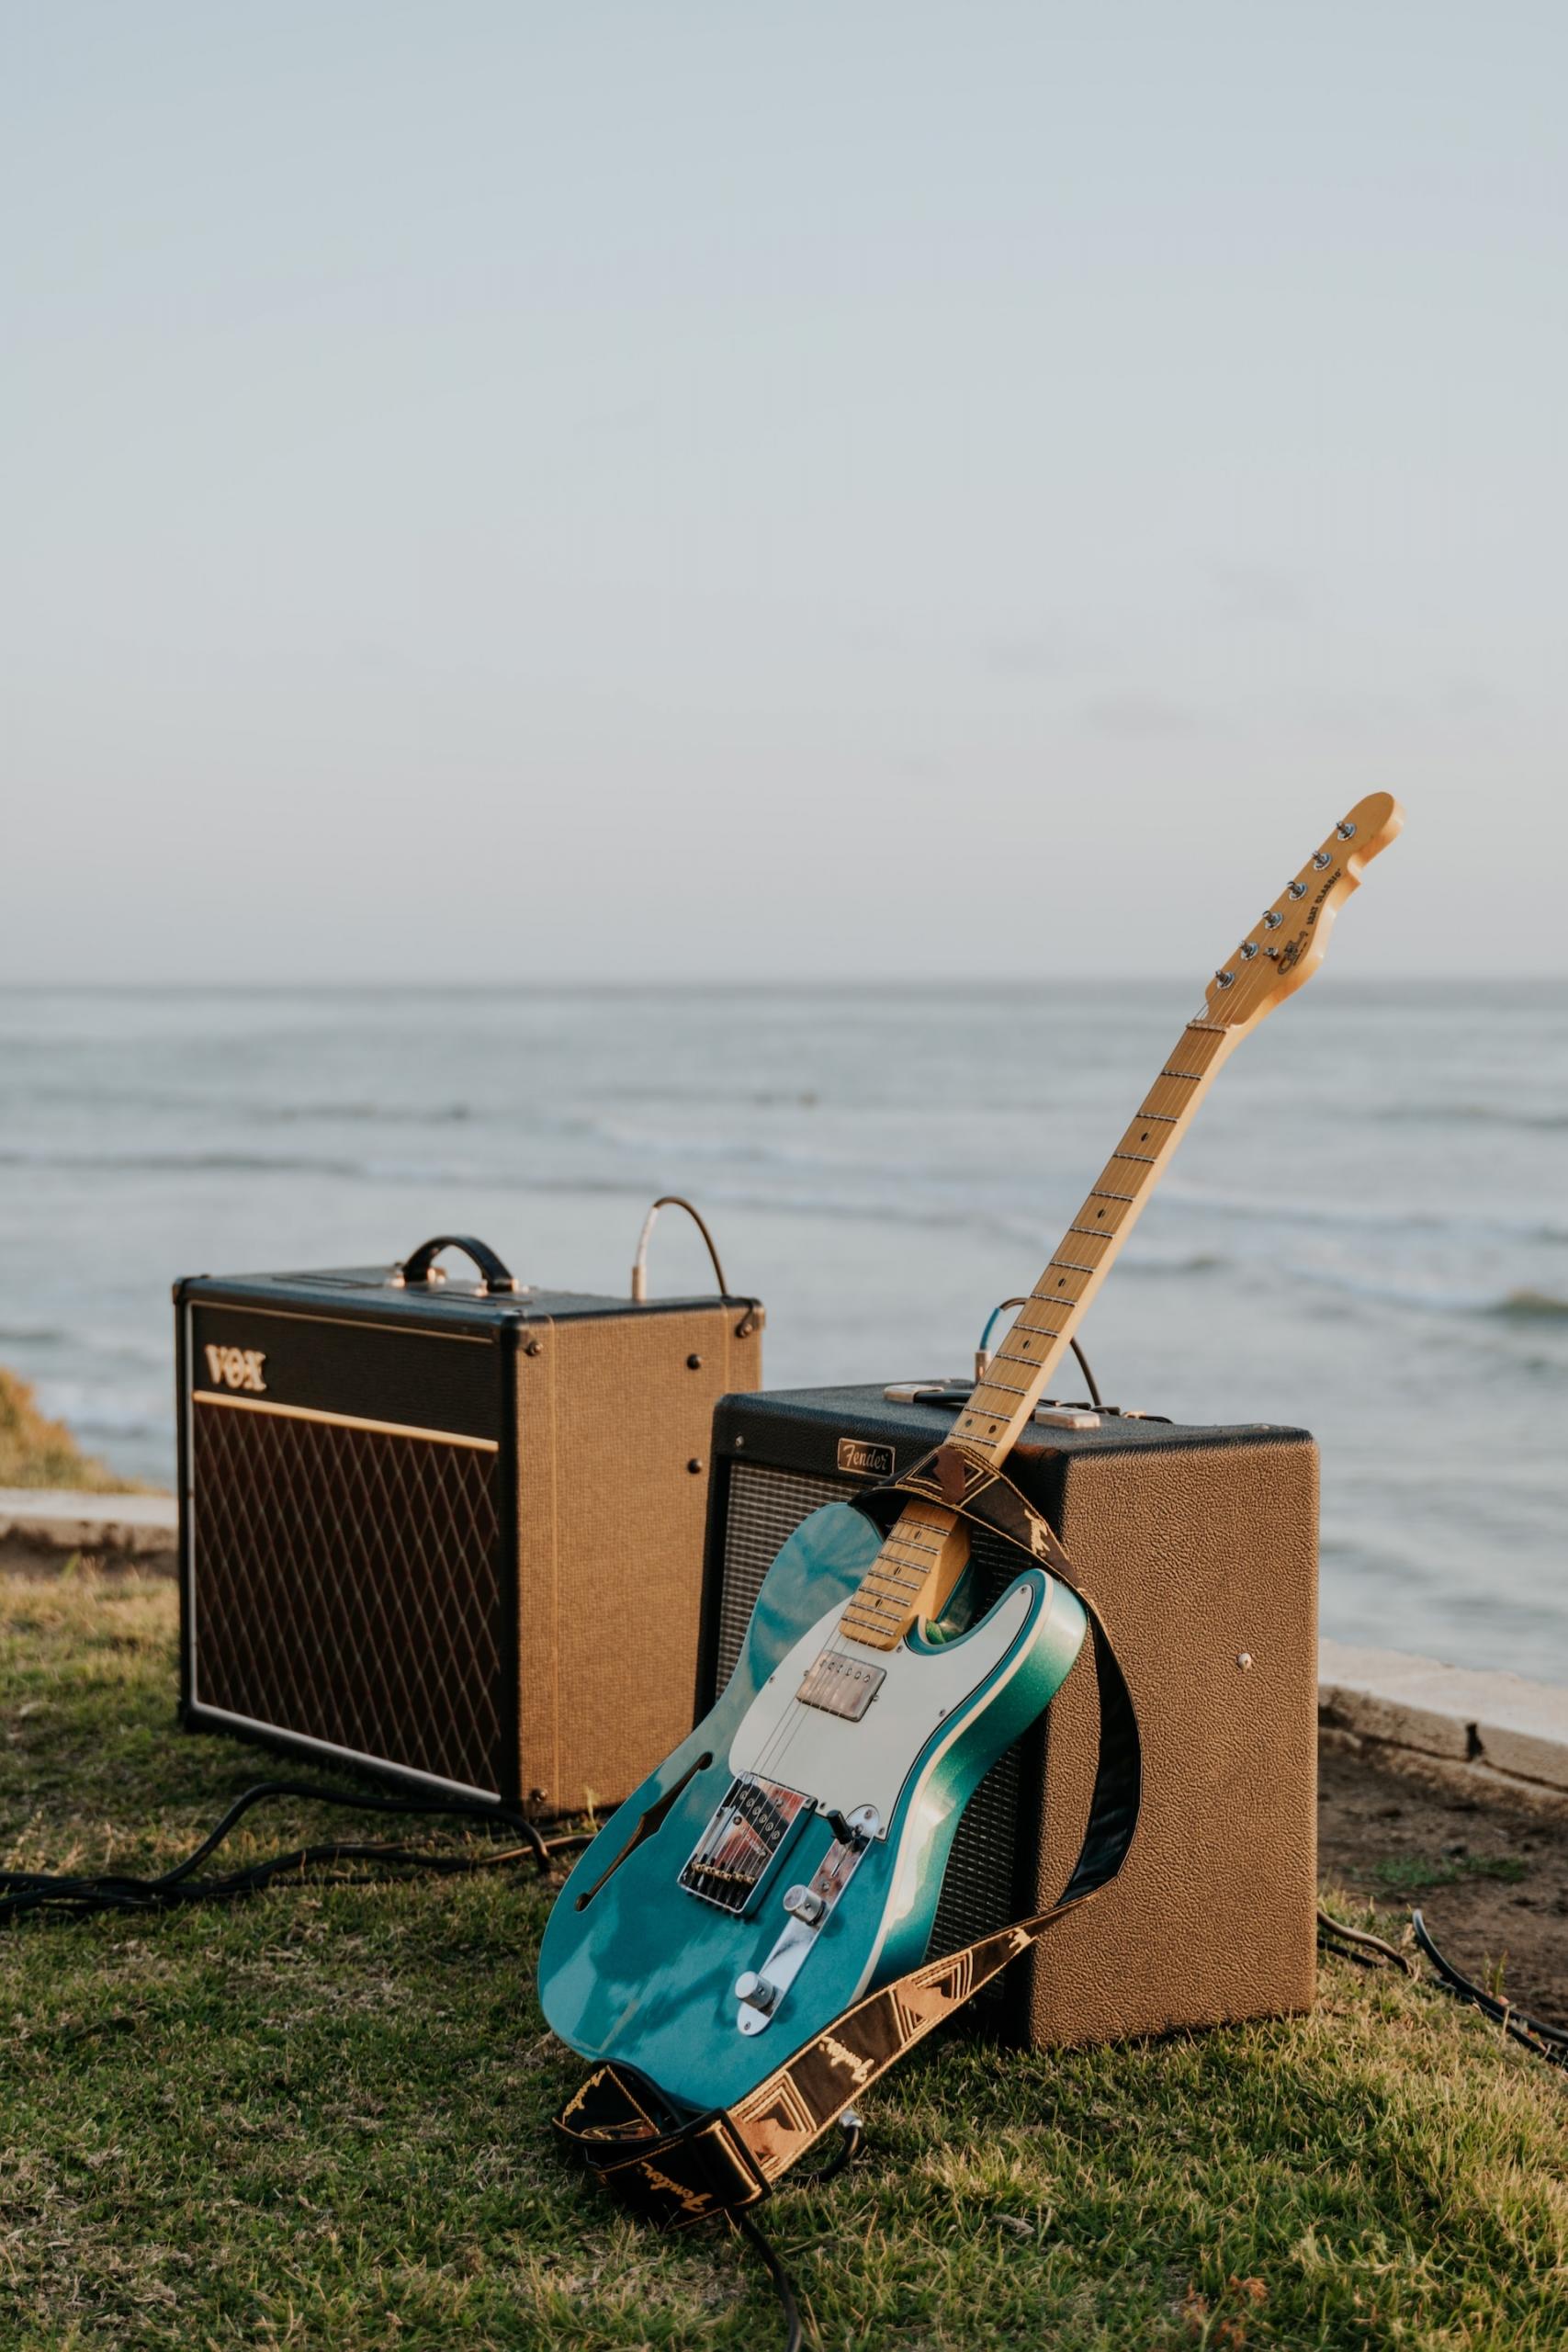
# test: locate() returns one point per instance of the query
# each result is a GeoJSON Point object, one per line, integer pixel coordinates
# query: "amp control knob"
{"type": "Point", "coordinates": [754, 1991]}
{"type": "Point", "coordinates": [804, 1903]}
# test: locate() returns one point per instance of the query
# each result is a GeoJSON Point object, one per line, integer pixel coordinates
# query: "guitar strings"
{"type": "Point", "coordinates": [771, 1761]}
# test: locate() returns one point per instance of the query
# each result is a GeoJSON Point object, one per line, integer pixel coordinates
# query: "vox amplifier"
{"type": "Point", "coordinates": [1200, 1547]}
{"type": "Point", "coordinates": [448, 1529]}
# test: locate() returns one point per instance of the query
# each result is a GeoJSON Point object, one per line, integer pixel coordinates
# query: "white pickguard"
{"type": "Point", "coordinates": [847, 1764]}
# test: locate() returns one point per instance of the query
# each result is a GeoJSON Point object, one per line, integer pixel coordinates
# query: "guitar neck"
{"type": "Point", "coordinates": [923, 1556]}
{"type": "Point", "coordinates": [921, 1559]}
{"type": "Point", "coordinates": [1019, 1373]}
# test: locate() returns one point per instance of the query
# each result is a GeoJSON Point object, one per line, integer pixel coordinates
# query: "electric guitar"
{"type": "Point", "coordinates": [788, 1857]}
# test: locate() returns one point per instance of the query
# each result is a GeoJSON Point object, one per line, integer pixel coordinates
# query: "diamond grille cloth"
{"type": "Point", "coordinates": [348, 1588]}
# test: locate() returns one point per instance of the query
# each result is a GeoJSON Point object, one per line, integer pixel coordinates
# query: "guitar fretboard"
{"type": "Point", "coordinates": [924, 1552]}
{"type": "Point", "coordinates": [1020, 1372]}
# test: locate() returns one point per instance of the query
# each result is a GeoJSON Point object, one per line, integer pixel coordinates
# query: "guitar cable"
{"type": "Point", "coordinates": [1547, 2042]}
{"type": "Point", "coordinates": [23, 1892]}
{"type": "Point", "coordinates": [854, 2130]}
{"type": "Point", "coordinates": [784, 2285]}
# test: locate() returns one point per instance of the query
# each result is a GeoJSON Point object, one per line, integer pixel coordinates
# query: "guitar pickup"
{"type": "Point", "coordinates": [841, 1685]}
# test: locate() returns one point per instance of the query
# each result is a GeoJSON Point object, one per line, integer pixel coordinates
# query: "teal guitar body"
{"type": "Point", "coordinates": [788, 1857]}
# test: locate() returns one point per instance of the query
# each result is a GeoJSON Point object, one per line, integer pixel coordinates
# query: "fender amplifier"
{"type": "Point", "coordinates": [448, 1529]}
{"type": "Point", "coordinates": [1200, 1547]}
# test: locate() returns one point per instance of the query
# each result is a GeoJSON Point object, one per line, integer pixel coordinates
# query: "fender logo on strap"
{"type": "Point", "coordinates": [859, 2069]}
{"type": "Point", "coordinates": [581, 2096]}
{"type": "Point", "coordinates": [691, 2201]}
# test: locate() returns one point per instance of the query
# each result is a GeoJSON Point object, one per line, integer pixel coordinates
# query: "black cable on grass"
{"type": "Point", "coordinates": [1356, 1944]}
{"type": "Point", "coordinates": [784, 2285]}
{"type": "Point", "coordinates": [848, 2148]}
{"type": "Point", "coordinates": [853, 2132]}
{"type": "Point", "coordinates": [1547, 2042]}
{"type": "Point", "coordinates": [22, 1892]}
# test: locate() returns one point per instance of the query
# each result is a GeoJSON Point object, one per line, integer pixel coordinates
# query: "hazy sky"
{"type": "Point", "coordinates": [515, 491]}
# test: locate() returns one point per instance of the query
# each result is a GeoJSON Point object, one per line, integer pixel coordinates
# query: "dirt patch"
{"type": "Point", "coordinates": [1492, 1884]}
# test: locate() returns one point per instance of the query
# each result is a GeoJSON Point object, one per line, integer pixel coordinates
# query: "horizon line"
{"type": "Point", "coordinates": [925, 983]}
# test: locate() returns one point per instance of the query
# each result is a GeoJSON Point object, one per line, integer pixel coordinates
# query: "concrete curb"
{"type": "Point", "coordinates": [1497, 1736]}
{"type": "Point", "coordinates": [43, 1527]}
{"type": "Point", "coordinates": [1467, 1728]}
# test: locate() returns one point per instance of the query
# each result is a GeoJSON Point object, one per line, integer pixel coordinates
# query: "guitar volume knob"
{"type": "Point", "coordinates": [804, 1903]}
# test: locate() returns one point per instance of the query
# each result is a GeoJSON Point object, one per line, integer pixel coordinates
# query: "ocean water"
{"type": "Point", "coordinates": [1366, 1231]}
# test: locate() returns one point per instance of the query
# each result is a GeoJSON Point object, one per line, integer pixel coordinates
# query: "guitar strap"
{"type": "Point", "coordinates": [674, 2172]}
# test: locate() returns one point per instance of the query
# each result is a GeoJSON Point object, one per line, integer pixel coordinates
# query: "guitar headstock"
{"type": "Point", "coordinates": [1284, 948]}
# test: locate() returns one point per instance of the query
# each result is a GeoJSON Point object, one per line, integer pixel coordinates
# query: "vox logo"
{"type": "Point", "coordinates": [237, 1368]}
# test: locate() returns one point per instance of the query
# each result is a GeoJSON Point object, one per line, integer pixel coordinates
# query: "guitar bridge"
{"type": "Point", "coordinates": [740, 1845]}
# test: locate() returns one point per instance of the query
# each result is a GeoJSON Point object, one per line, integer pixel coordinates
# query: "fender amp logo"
{"type": "Point", "coordinates": [864, 1461]}
{"type": "Point", "coordinates": [236, 1368]}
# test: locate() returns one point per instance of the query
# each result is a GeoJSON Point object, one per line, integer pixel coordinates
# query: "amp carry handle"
{"type": "Point", "coordinates": [420, 1271]}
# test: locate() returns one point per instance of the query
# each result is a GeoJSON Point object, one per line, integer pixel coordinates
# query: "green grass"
{"type": "Point", "coordinates": [1405, 1874]}
{"type": "Point", "coordinates": [320, 2119]}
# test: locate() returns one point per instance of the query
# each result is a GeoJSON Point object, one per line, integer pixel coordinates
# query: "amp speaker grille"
{"type": "Point", "coordinates": [346, 1589]}
{"type": "Point", "coordinates": [763, 1509]}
